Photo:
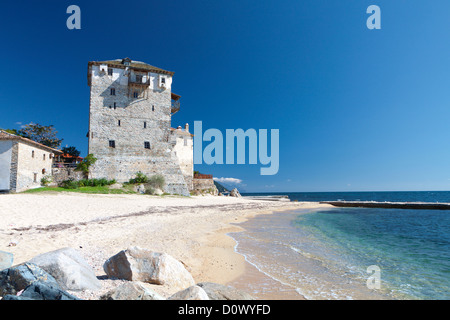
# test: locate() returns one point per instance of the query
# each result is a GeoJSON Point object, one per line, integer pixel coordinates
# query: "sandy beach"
{"type": "Point", "coordinates": [193, 230]}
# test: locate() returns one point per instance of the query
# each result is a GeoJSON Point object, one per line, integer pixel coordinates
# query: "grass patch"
{"type": "Point", "coordinates": [97, 189]}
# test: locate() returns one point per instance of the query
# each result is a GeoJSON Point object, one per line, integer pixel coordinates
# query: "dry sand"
{"type": "Point", "coordinates": [193, 230]}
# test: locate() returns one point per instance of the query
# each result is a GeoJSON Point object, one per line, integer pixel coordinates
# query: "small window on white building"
{"type": "Point", "coordinates": [185, 141]}
{"type": "Point", "coordinates": [110, 71]}
{"type": "Point", "coordinates": [34, 177]}
{"type": "Point", "coordinates": [113, 91]}
{"type": "Point", "coordinates": [147, 145]}
{"type": "Point", "coordinates": [145, 124]}
{"type": "Point", "coordinates": [112, 143]}
{"type": "Point", "coordinates": [32, 153]}
{"type": "Point", "coordinates": [118, 123]}
{"type": "Point", "coordinates": [162, 81]}
{"type": "Point", "coordinates": [43, 157]}
{"type": "Point", "coordinates": [135, 94]}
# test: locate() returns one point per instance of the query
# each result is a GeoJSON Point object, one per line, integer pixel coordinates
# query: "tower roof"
{"type": "Point", "coordinates": [127, 62]}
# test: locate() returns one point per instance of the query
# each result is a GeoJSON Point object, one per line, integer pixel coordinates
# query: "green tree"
{"type": "Point", "coordinates": [71, 151]}
{"type": "Point", "coordinates": [84, 166]}
{"type": "Point", "coordinates": [45, 135]}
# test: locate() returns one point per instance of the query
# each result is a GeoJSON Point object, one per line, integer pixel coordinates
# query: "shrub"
{"type": "Point", "coordinates": [157, 181]}
{"type": "Point", "coordinates": [69, 184]}
{"type": "Point", "coordinates": [140, 178]}
{"type": "Point", "coordinates": [149, 190]}
{"type": "Point", "coordinates": [87, 162]}
{"type": "Point", "coordinates": [46, 180]}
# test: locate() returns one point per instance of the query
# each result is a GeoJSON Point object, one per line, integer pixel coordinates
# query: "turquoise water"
{"type": "Point", "coordinates": [411, 247]}
{"type": "Point", "coordinates": [325, 254]}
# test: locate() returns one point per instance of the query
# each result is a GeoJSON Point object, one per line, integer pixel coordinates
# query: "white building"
{"type": "Point", "coordinates": [23, 162]}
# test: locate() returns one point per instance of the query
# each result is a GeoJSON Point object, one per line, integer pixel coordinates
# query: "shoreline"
{"type": "Point", "coordinates": [193, 230]}
{"type": "Point", "coordinates": [269, 288]}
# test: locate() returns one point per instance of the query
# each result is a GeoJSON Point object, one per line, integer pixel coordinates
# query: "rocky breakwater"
{"type": "Point", "coordinates": [50, 275]}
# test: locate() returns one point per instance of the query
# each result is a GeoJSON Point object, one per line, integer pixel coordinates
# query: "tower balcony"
{"type": "Point", "coordinates": [175, 105]}
{"type": "Point", "coordinates": [138, 82]}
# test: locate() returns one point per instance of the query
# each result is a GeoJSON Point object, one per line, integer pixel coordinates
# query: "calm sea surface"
{"type": "Point", "coordinates": [325, 254]}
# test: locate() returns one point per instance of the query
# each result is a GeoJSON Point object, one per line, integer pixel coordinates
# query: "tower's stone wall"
{"type": "Point", "coordinates": [136, 118]}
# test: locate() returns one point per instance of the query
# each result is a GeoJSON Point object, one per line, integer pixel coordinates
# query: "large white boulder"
{"type": "Point", "coordinates": [131, 291]}
{"type": "Point", "coordinates": [137, 264]}
{"type": "Point", "coordinates": [191, 293]}
{"type": "Point", "coordinates": [69, 269]}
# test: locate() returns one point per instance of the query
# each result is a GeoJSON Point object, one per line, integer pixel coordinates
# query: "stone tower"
{"type": "Point", "coordinates": [130, 111]}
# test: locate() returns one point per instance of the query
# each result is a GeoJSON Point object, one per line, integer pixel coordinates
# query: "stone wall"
{"type": "Point", "coordinates": [205, 186]}
{"type": "Point", "coordinates": [131, 122]}
{"type": "Point", "coordinates": [62, 174]}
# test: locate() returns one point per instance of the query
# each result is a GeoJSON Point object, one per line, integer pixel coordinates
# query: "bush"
{"type": "Point", "coordinates": [46, 180]}
{"type": "Point", "coordinates": [87, 162]}
{"type": "Point", "coordinates": [149, 190]}
{"type": "Point", "coordinates": [157, 181]}
{"type": "Point", "coordinates": [140, 178]}
{"type": "Point", "coordinates": [154, 182]}
{"type": "Point", "coordinates": [69, 184]}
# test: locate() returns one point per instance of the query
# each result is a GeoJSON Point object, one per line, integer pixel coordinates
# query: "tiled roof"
{"type": "Point", "coordinates": [9, 136]}
{"type": "Point", "coordinates": [181, 132]}
{"type": "Point", "coordinates": [119, 63]}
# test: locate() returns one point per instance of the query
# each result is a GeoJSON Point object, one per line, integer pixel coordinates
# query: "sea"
{"type": "Point", "coordinates": [354, 253]}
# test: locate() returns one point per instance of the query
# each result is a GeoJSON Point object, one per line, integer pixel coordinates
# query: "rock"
{"type": "Point", "coordinates": [235, 193]}
{"type": "Point", "coordinates": [6, 260]}
{"type": "Point", "coordinates": [217, 291]}
{"type": "Point", "coordinates": [116, 186]}
{"type": "Point", "coordinates": [131, 291]}
{"type": "Point", "coordinates": [140, 188]}
{"type": "Point", "coordinates": [17, 278]}
{"type": "Point", "coordinates": [158, 192]}
{"type": "Point", "coordinates": [13, 297]}
{"type": "Point", "coordinates": [136, 264]}
{"type": "Point", "coordinates": [69, 269]}
{"type": "Point", "coordinates": [191, 293]}
{"type": "Point", "coordinates": [13, 243]}
{"type": "Point", "coordinates": [41, 291]}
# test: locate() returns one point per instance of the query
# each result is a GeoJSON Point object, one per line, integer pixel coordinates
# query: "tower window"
{"type": "Point", "coordinates": [43, 157]}
{"type": "Point", "coordinates": [32, 154]}
{"type": "Point", "coordinates": [145, 124]}
{"type": "Point", "coordinates": [113, 91]}
{"type": "Point", "coordinates": [118, 123]}
{"type": "Point", "coordinates": [112, 143]}
{"type": "Point", "coordinates": [110, 71]}
{"type": "Point", "coordinates": [147, 145]}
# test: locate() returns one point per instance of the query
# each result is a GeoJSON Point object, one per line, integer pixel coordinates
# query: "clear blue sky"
{"type": "Point", "coordinates": [357, 109]}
